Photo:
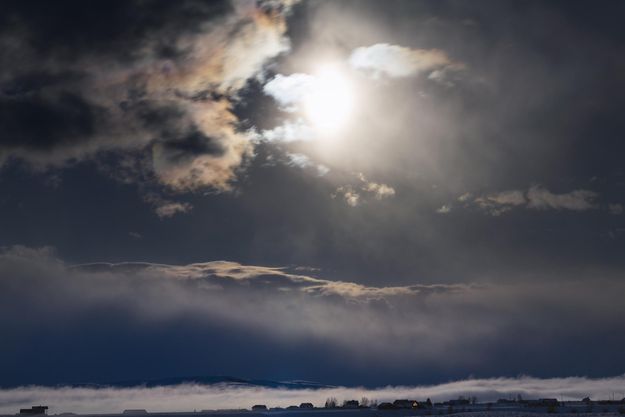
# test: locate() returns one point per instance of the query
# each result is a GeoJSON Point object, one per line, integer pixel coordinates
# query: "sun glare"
{"type": "Point", "coordinates": [330, 104]}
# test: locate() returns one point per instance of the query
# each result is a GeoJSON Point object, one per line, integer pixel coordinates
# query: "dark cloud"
{"type": "Point", "coordinates": [39, 123]}
{"type": "Point", "coordinates": [398, 330]}
{"type": "Point", "coordinates": [195, 143]}
{"type": "Point", "coordinates": [128, 76]}
{"type": "Point", "coordinates": [119, 30]}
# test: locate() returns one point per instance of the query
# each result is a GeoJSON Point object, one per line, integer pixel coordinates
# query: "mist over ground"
{"type": "Point", "coordinates": [200, 397]}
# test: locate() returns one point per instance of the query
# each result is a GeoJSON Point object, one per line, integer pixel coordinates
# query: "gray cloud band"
{"type": "Point", "coordinates": [417, 325]}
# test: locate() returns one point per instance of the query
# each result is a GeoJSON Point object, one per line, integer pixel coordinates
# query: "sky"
{"type": "Point", "coordinates": [359, 193]}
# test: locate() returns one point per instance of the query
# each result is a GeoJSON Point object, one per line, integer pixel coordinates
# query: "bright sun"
{"type": "Point", "coordinates": [330, 103]}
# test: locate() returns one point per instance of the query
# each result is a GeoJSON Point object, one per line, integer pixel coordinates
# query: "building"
{"type": "Point", "coordinates": [405, 404]}
{"type": "Point", "coordinates": [34, 410]}
{"type": "Point", "coordinates": [459, 401]}
{"type": "Point", "coordinates": [350, 404]}
{"type": "Point", "coordinates": [505, 401]}
{"type": "Point", "coordinates": [543, 402]}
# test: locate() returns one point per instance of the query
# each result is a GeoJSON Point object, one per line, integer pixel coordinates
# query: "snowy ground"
{"type": "Point", "coordinates": [526, 413]}
{"type": "Point", "coordinates": [440, 411]}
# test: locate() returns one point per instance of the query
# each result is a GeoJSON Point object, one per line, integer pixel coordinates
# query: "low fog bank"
{"type": "Point", "coordinates": [189, 397]}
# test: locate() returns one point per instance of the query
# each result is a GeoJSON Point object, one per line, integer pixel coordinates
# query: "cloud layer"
{"type": "Point", "coordinates": [442, 326]}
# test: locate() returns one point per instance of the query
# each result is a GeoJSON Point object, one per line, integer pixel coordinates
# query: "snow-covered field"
{"type": "Point", "coordinates": [375, 413]}
{"type": "Point", "coordinates": [525, 413]}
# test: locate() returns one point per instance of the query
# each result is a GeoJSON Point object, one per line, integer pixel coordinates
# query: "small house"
{"type": "Point", "coordinates": [34, 410]}
{"type": "Point", "coordinates": [350, 404]}
{"type": "Point", "coordinates": [405, 404]}
{"type": "Point", "coordinates": [543, 402]}
{"type": "Point", "coordinates": [459, 401]}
